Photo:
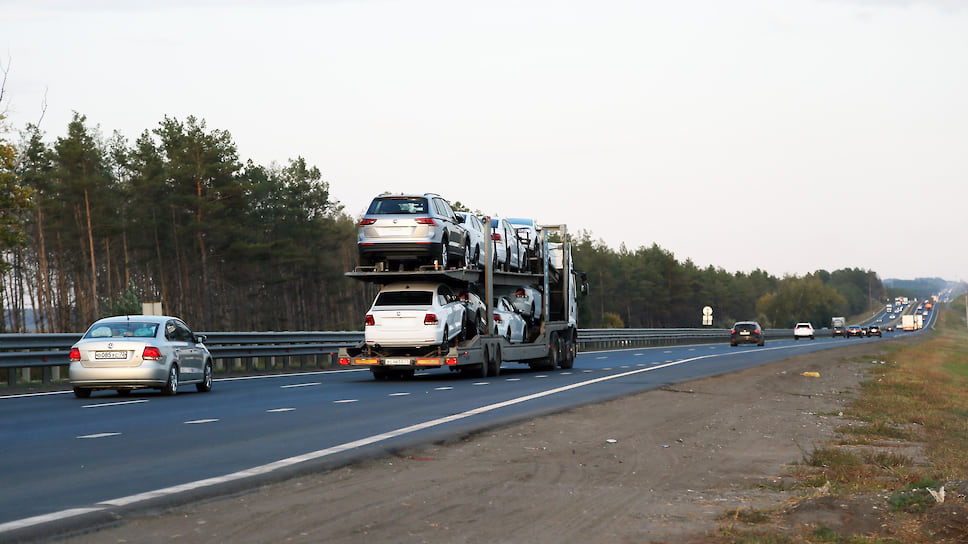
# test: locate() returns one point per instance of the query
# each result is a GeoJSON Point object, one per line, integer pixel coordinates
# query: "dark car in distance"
{"type": "Point", "coordinates": [874, 330]}
{"type": "Point", "coordinates": [746, 332]}
{"type": "Point", "coordinates": [839, 331]}
{"type": "Point", "coordinates": [855, 330]}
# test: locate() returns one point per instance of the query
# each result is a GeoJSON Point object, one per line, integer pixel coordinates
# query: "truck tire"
{"type": "Point", "coordinates": [567, 354]}
{"type": "Point", "coordinates": [550, 361]}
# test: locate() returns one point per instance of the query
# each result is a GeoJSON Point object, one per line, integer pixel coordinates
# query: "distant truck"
{"type": "Point", "coordinates": [839, 326]}
{"type": "Point", "coordinates": [907, 322]}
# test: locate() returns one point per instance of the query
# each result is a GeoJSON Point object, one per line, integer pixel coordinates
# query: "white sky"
{"type": "Point", "coordinates": [787, 136]}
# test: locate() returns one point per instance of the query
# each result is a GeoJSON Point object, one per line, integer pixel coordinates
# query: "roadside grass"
{"type": "Point", "coordinates": [916, 399]}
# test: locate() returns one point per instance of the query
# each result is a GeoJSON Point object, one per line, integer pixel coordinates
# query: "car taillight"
{"type": "Point", "coordinates": [75, 355]}
{"type": "Point", "coordinates": [497, 318]}
{"type": "Point", "coordinates": [370, 321]}
{"type": "Point", "coordinates": [496, 236]}
{"type": "Point", "coordinates": [365, 222]}
{"type": "Point", "coordinates": [732, 331]}
{"type": "Point", "coordinates": [151, 353]}
{"type": "Point", "coordinates": [425, 221]}
{"type": "Point", "coordinates": [430, 319]}
{"type": "Point", "coordinates": [519, 293]}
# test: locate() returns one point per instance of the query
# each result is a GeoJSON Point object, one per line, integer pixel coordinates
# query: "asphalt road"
{"type": "Point", "coordinates": [65, 459]}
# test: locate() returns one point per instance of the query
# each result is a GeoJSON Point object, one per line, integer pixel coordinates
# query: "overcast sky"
{"type": "Point", "coordinates": [786, 136]}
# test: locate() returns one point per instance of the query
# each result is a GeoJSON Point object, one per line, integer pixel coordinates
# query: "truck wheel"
{"type": "Point", "coordinates": [567, 355]}
{"type": "Point", "coordinates": [380, 374]}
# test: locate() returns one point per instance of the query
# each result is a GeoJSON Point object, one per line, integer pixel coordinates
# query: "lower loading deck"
{"type": "Point", "coordinates": [480, 357]}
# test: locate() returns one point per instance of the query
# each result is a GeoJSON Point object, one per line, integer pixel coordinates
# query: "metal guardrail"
{"type": "Point", "coordinates": [31, 358]}
{"type": "Point", "coordinates": [43, 357]}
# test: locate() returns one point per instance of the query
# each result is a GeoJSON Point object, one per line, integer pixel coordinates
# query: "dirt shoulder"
{"type": "Point", "coordinates": [661, 466]}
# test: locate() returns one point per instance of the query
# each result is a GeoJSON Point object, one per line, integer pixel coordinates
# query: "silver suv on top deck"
{"type": "Point", "coordinates": [406, 231]}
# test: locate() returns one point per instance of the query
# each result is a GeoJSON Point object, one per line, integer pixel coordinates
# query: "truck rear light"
{"type": "Point", "coordinates": [344, 361]}
{"type": "Point", "coordinates": [450, 361]}
{"type": "Point", "coordinates": [370, 321]}
{"type": "Point", "coordinates": [151, 353]}
{"type": "Point", "coordinates": [430, 319]}
{"type": "Point", "coordinates": [426, 361]}
{"type": "Point", "coordinates": [75, 355]}
{"type": "Point", "coordinates": [426, 221]}
{"type": "Point", "coordinates": [365, 222]}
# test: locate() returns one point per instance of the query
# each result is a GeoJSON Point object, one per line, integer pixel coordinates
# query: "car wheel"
{"type": "Point", "coordinates": [762, 343]}
{"type": "Point", "coordinates": [206, 384]}
{"type": "Point", "coordinates": [477, 257]}
{"type": "Point", "coordinates": [508, 335]}
{"type": "Point", "coordinates": [171, 387]}
{"type": "Point", "coordinates": [123, 392]}
{"type": "Point", "coordinates": [445, 341]}
{"type": "Point", "coordinates": [82, 393]}
{"type": "Point", "coordinates": [442, 258]}
{"type": "Point", "coordinates": [467, 255]}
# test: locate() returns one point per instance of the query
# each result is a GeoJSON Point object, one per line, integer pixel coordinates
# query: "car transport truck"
{"type": "Point", "coordinates": [552, 337]}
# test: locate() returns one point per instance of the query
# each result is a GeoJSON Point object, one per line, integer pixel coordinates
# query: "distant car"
{"type": "Point", "coordinates": [855, 330]}
{"type": "Point", "coordinates": [803, 330]}
{"type": "Point", "coordinates": [874, 330]}
{"type": "Point", "coordinates": [746, 332]}
{"type": "Point", "coordinates": [838, 330]}
{"type": "Point", "coordinates": [474, 226]}
{"type": "Point", "coordinates": [414, 314]}
{"type": "Point", "coordinates": [406, 231]}
{"type": "Point", "coordinates": [508, 322]}
{"type": "Point", "coordinates": [889, 328]}
{"type": "Point", "coordinates": [139, 352]}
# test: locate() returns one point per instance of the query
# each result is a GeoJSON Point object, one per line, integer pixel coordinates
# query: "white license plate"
{"type": "Point", "coordinates": [744, 333]}
{"type": "Point", "coordinates": [397, 362]}
{"type": "Point", "coordinates": [112, 355]}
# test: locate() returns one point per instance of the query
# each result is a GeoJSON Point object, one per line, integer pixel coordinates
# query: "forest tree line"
{"type": "Point", "coordinates": [93, 226]}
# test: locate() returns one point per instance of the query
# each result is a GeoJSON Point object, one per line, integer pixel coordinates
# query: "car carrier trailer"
{"type": "Point", "coordinates": [553, 340]}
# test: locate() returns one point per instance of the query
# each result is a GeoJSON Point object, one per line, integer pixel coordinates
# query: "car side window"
{"type": "Point", "coordinates": [176, 332]}
{"type": "Point", "coordinates": [445, 209]}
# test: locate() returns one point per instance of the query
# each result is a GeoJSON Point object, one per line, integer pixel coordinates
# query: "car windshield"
{"type": "Point", "coordinates": [398, 206]}
{"type": "Point", "coordinates": [405, 298]}
{"type": "Point", "coordinates": [123, 329]}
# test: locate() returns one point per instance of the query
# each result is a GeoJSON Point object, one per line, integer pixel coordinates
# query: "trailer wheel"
{"type": "Point", "coordinates": [380, 374]}
{"type": "Point", "coordinates": [550, 361]}
{"type": "Point", "coordinates": [495, 362]}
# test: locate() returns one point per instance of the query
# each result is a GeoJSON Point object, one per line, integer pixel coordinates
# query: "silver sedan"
{"type": "Point", "coordinates": [137, 352]}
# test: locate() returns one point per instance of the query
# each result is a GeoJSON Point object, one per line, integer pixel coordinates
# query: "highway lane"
{"type": "Point", "coordinates": [60, 453]}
